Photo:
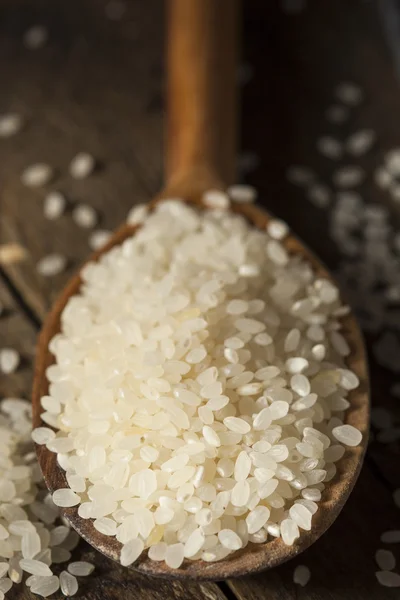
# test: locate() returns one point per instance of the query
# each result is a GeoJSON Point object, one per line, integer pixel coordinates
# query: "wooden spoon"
{"type": "Point", "coordinates": [201, 155]}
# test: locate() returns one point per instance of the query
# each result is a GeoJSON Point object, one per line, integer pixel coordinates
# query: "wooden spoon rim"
{"type": "Point", "coordinates": [255, 557]}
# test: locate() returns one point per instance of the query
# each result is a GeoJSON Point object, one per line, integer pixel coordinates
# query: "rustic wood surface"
{"type": "Point", "coordinates": [97, 86]}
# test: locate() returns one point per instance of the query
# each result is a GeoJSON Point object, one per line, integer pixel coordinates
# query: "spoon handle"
{"type": "Point", "coordinates": [201, 95]}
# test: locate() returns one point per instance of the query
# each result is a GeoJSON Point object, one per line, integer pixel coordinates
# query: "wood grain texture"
{"type": "Point", "coordinates": [255, 557]}
{"type": "Point", "coordinates": [201, 118]}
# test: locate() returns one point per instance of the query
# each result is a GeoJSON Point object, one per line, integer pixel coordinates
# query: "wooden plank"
{"type": "Point", "coordinates": [342, 561]}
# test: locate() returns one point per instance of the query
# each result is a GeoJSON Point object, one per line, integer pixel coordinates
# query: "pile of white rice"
{"type": "Point", "coordinates": [34, 538]}
{"type": "Point", "coordinates": [199, 389]}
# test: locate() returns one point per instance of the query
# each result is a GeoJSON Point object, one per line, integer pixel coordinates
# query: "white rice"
{"type": "Point", "coordinates": [242, 193]}
{"type": "Point", "coordinates": [347, 434]}
{"type": "Point", "coordinates": [99, 238]}
{"type": "Point", "coordinates": [383, 178]}
{"type": "Point", "coordinates": [299, 175]}
{"type": "Point", "coordinates": [60, 555]}
{"type": "Point", "coordinates": [216, 199]}
{"type": "Point", "coordinates": [330, 147]}
{"type": "Point", "coordinates": [337, 114]}
{"type": "Point", "coordinates": [301, 575]}
{"type": "Point", "coordinates": [80, 568]}
{"type": "Point", "coordinates": [54, 205]}
{"type": "Point", "coordinates": [349, 93]}
{"type": "Point", "coordinates": [229, 539]}
{"type": "Point", "coordinates": [194, 543]}
{"type": "Point", "coordinates": [32, 537]}
{"type": "Point", "coordinates": [68, 583]}
{"type": "Point", "coordinates": [9, 360]}
{"type": "Point", "coordinates": [35, 567]}
{"type": "Point", "coordinates": [277, 229]}
{"type": "Point", "coordinates": [10, 124]}
{"type": "Point", "coordinates": [3, 569]}
{"type": "Point", "coordinates": [35, 37]}
{"type": "Point", "coordinates": [5, 585]}
{"type": "Point", "coordinates": [84, 216]}
{"type": "Point", "coordinates": [30, 544]}
{"type": "Point", "coordinates": [194, 410]}
{"type": "Point", "coordinates": [391, 537]}
{"type": "Point", "coordinates": [131, 551]}
{"type": "Point", "coordinates": [82, 165]}
{"type": "Point", "coordinates": [137, 214]}
{"type": "Point", "coordinates": [37, 175]}
{"type": "Point", "coordinates": [45, 586]}
{"type": "Point", "coordinates": [385, 560]}
{"type": "Point", "coordinates": [392, 160]}
{"type": "Point", "coordinates": [319, 195]}
{"type": "Point", "coordinates": [51, 265]}
{"type": "Point", "coordinates": [388, 578]}
{"type": "Point", "coordinates": [360, 142]}
{"type": "Point", "coordinates": [349, 176]}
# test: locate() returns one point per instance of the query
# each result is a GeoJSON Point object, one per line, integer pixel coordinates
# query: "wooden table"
{"type": "Point", "coordinates": [97, 86]}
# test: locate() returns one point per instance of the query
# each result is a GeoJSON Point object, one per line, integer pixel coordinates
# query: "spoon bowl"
{"type": "Point", "coordinates": [255, 557]}
{"type": "Point", "coordinates": [190, 175]}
